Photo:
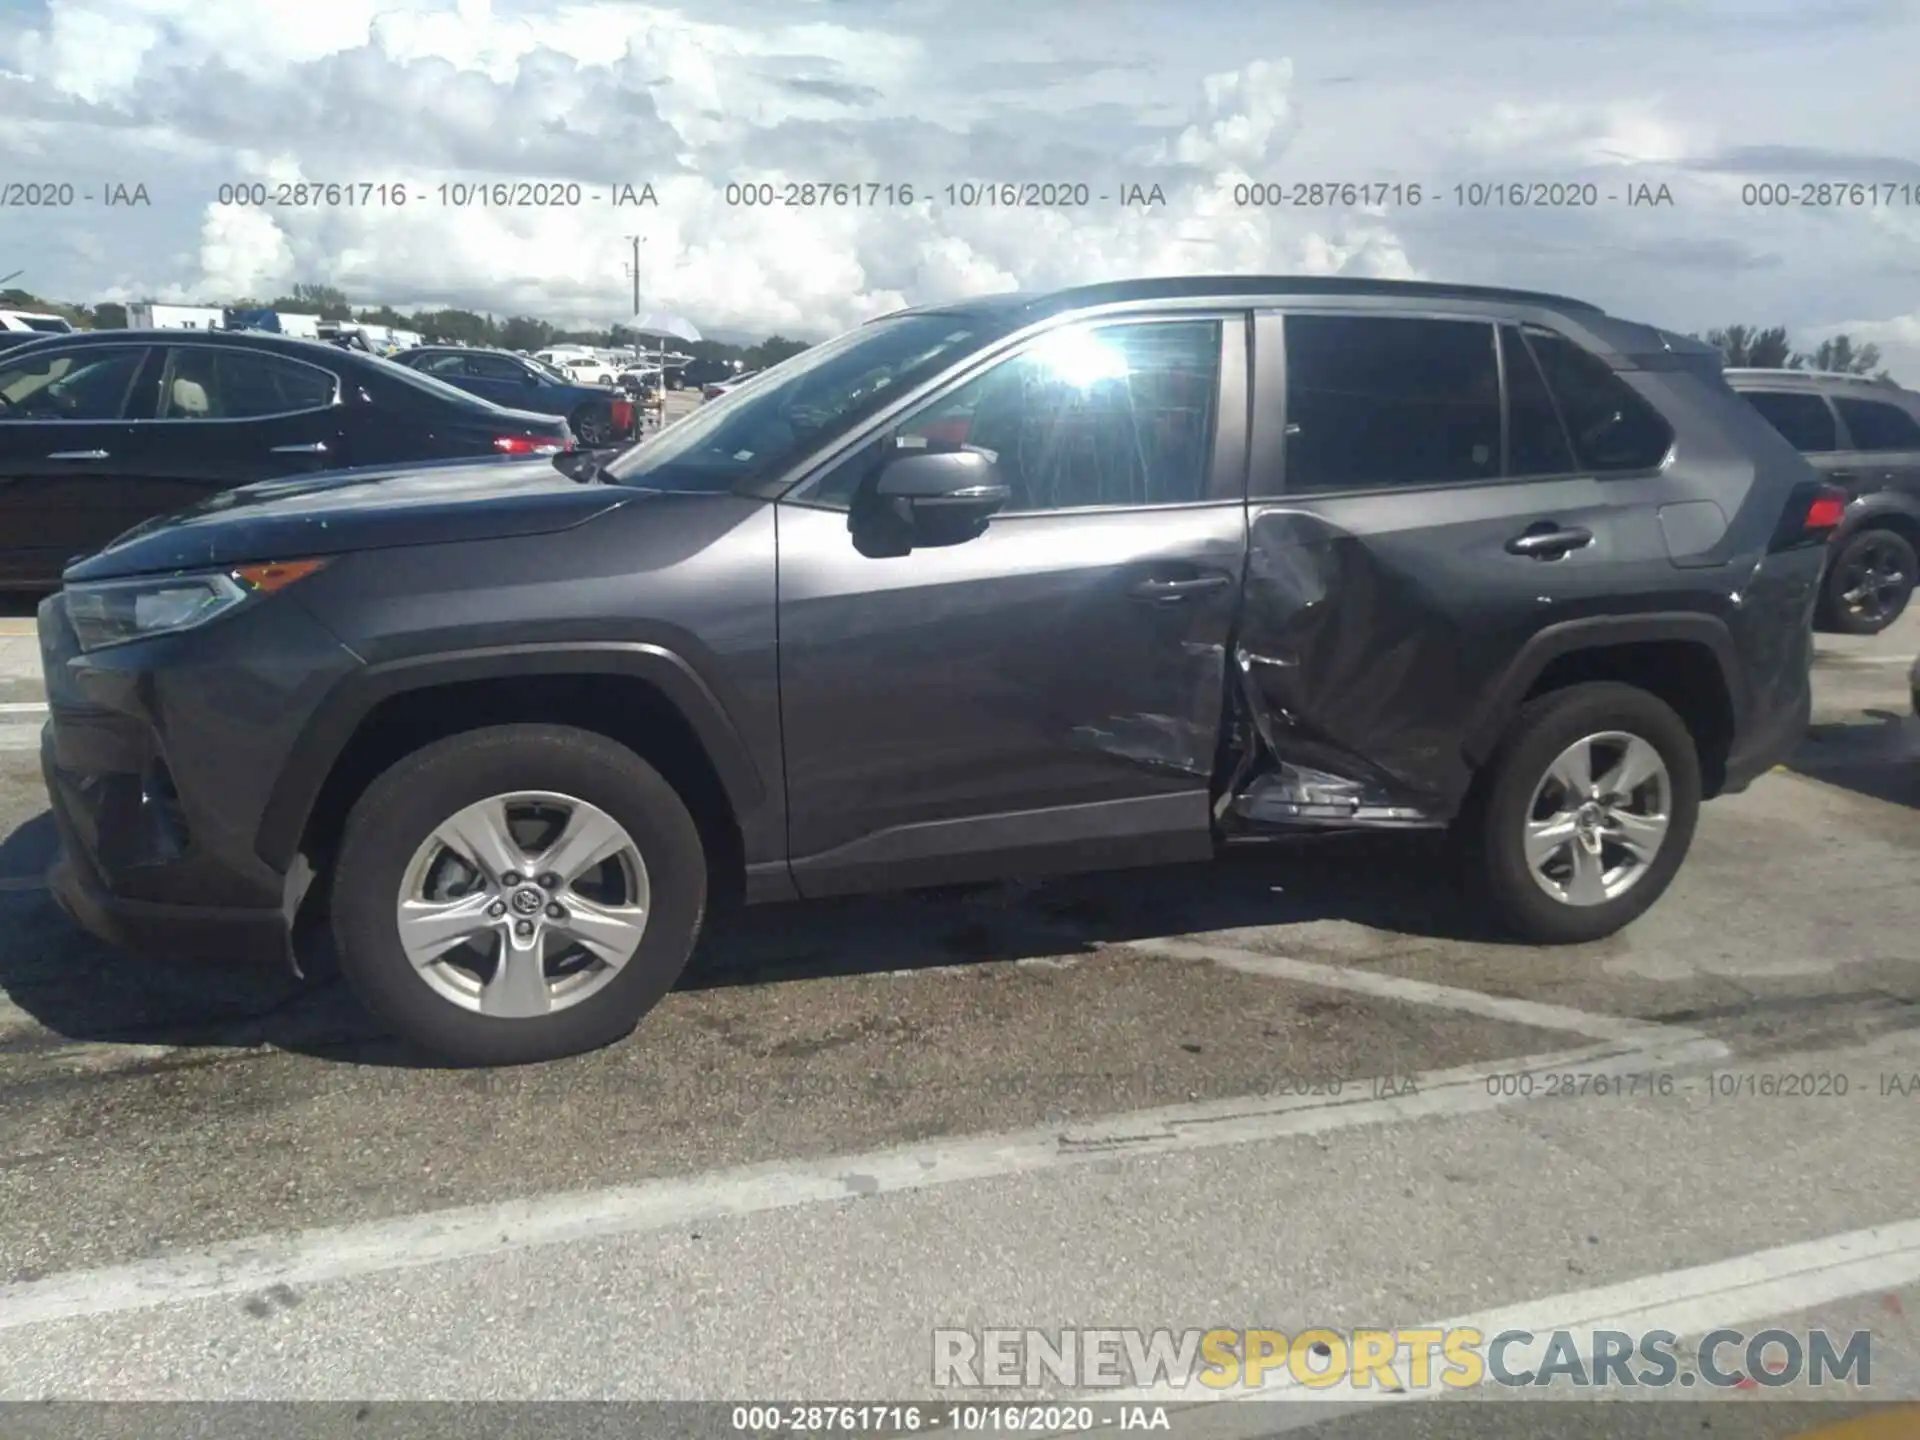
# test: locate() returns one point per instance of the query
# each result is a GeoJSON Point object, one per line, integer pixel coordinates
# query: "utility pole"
{"type": "Point", "coordinates": [633, 269]}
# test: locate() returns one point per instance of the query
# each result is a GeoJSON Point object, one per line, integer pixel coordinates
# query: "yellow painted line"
{"type": "Point", "coordinates": [1901, 1422]}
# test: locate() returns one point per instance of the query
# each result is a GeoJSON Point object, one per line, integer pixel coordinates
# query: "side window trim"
{"type": "Point", "coordinates": [1227, 464]}
{"type": "Point", "coordinates": [1553, 400]}
{"type": "Point", "coordinates": [167, 377]}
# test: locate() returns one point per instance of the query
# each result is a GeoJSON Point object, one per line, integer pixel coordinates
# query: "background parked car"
{"type": "Point", "coordinates": [698, 374]}
{"type": "Point", "coordinates": [1864, 436]}
{"type": "Point", "coordinates": [103, 429]}
{"type": "Point", "coordinates": [32, 323]}
{"type": "Point", "coordinates": [718, 388]}
{"type": "Point", "coordinates": [597, 416]}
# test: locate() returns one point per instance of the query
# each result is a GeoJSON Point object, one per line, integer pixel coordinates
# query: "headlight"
{"type": "Point", "coordinates": [110, 612]}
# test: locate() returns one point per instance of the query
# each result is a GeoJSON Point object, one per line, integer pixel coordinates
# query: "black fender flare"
{"type": "Point", "coordinates": [1502, 701]}
{"type": "Point", "coordinates": [334, 723]}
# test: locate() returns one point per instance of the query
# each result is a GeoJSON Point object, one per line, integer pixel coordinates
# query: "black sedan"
{"type": "Point", "coordinates": [103, 429]}
{"type": "Point", "coordinates": [598, 416]}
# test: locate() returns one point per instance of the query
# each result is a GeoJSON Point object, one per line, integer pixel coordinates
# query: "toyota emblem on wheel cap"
{"type": "Point", "coordinates": [528, 902]}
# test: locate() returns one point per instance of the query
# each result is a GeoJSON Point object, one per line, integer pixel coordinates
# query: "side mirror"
{"type": "Point", "coordinates": [929, 498]}
{"type": "Point", "coordinates": [935, 484]}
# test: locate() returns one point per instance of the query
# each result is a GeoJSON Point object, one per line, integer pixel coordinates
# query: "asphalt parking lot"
{"type": "Point", "coordinates": [1293, 1090]}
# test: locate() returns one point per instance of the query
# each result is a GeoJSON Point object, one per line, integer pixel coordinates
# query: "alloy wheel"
{"type": "Point", "coordinates": [1598, 818]}
{"type": "Point", "coordinates": [523, 904]}
{"type": "Point", "coordinates": [1872, 584]}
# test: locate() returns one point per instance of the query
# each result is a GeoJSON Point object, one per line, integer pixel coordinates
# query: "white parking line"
{"type": "Point", "coordinates": [1690, 1303]}
{"type": "Point", "coordinates": [319, 1256]}
{"type": "Point", "coordinates": [1382, 986]}
{"type": "Point", "coordinates": [24, 707]}
{"type": "Point", "coordinates": [19, 737]}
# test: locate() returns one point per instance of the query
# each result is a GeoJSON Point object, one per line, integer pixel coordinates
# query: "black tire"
{"type": "Point", "coordinates": [592, 429]}
{"type": "Point", "coordinates": [1493, 825]}
{"type": "Point", "coordinates": [1874, 549]}
{"type": "Point", "coordinates": [407, 802]}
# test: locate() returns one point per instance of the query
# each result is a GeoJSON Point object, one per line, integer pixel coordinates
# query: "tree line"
{"type": "Point", "coordinates": [449, 326]}
{"type": "Point", "coordinates": [1769, 348]}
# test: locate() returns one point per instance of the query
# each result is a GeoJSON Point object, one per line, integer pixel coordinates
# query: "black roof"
{"type": "Point", "coordinates": [1036, 304]}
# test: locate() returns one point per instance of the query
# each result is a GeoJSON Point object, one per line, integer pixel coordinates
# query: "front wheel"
{"type": "Point", "coordinates": [517, 893]}
{"type": "Point", "coordinates": [1585, 813]}
{"type": "Point", "coordinates": [1868, 583]}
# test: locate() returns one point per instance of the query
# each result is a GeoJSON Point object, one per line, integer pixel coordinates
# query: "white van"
{"type": "Point", "coordinates": [29, 320]}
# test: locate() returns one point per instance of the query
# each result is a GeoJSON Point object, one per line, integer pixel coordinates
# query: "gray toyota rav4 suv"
{"type": "Point", "coordinates": [1113, 576]}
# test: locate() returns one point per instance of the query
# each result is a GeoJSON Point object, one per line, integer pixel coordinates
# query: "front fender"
{"type": "Point", "coordinates": [333, 724]}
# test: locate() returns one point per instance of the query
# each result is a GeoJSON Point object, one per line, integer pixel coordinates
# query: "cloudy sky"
{"type": "Point", "coordinates": [1726, 103]}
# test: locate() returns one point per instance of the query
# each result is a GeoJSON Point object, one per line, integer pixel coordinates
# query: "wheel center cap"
{"type": "Point", "coordinates": [527, 901]}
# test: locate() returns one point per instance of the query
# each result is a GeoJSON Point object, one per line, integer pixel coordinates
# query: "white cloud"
{"type": "Point", "coordinates": [242, 252]}
{"type": "Point", "coordinates": [1620, 133]}
{"type": "Point", "coordinates": [186, 95]}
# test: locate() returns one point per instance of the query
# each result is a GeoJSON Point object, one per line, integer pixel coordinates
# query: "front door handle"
{"type": "Point", "coordinates": [1167, 592]}
{"type": "Point", "coordinates": [318, 447]}
{"type": "Point", "coordinates": [78, 455]}
{"type": "Point", "coordinates": [1549, 541]}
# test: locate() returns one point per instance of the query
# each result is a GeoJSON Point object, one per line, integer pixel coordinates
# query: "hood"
{"type": "Point", "coordinates": [364, 509]}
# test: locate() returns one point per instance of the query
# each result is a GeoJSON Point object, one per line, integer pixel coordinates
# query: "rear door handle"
{"type": "Point", "coordinates": [318, 447]}
{"type": "Point", "coordinates": [1843, 477]}
{"type": "Point", "coordinates": [1548, 544]}
{"type": "Point", "coordinates": [78, 455]}
{"type": "Point", "coordinates": [1166, 592]}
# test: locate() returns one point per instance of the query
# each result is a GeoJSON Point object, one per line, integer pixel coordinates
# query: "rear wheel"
{"type": "Point", "coordinates": [1868, 583]}
{"type": "Point", "coordinates": [517, 894]}
{"type": "Point", "coordinates": [1585, 813]}
{"type": "Point", "coordinates": [592, 427]}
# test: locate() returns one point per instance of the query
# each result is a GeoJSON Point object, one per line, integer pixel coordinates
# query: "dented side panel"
{"type": "Point", "coordinates": [1374, 624]}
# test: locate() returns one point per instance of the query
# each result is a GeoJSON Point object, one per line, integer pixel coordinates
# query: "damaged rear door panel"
{"type": "Point", "coordinates": [1396, 567]}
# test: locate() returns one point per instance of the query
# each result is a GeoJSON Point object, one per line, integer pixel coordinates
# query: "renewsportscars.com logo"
{"type": "Point", "coordinates": [1394, 1361]}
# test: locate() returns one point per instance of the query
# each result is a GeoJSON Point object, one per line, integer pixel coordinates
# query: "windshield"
{"type": "Point", "coordinates": [757, 430]}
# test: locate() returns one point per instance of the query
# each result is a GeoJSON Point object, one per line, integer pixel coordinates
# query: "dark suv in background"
{"type": "Point", "coordinates": [1034, 583]}
{"type": "Point", "coordinates": [597, 415]}
{"type": "Point", "coordinates": [1864, 436]}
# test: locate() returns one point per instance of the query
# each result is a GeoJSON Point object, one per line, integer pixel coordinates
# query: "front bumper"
{"type": "Point", "coordinates": [158, 757]}
{"type": "Point", "coordinates": [170, 932]}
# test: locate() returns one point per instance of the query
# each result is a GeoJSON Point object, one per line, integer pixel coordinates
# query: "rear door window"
{"type": "Point", "coordinates": [204, 383]}
{"type": "Point", "coordinates": [1380, 400]}
{"type": "Point", "coordinates": [1802, 418]}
